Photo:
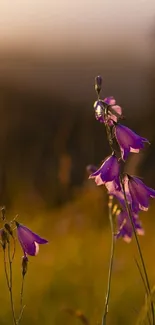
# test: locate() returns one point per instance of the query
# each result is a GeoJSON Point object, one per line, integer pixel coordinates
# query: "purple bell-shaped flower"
{"type": "Point", "coordinates": [29, 240]}
{"type": "Point", "coordinates": [108, 172]}
{"type": "Point", "coordinates": [139, 192]}
{"type": "Point", "coordinates": [128, 140]}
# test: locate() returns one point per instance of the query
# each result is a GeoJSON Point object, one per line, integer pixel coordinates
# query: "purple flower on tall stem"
{"type": "Point", "coordinates": [128, 140]}
{"type": "Point", "coordinates": [108, 172]}
{"type": "Point", "coordinates": [29, 240]}
{"type": "Point", "coordinates": [125, 229]}
{"type": "Point", "coordinates": [140, 193]}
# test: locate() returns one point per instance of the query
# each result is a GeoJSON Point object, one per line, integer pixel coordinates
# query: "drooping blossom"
{"type": "Point", "coordinates": [139, 192]}
{"type": "Point", "coordinates": [125, 229]}
{"type": "Point", "coordinates": [128, 140]}
{"type": "Point", "coordinates": [29, 240]}
{"type": "Point", "coordinates": [108, 172]}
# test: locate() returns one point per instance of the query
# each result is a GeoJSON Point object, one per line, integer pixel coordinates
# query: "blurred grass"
{"type": "Point", "coordinates": [71, 271]}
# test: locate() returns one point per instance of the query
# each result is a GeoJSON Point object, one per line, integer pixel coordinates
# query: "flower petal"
{"type": "Point", "coordinates": [29, 240]}
{"type": "Point", "coordinates": [128, 140]}
{"type": "Point", "coordinates": [117, 109]}
{"type": "Point", "coordinates": [28, 246]}
{"type": "Point", "coordinates": [109, 100]}
{"type": "Point", "coordinates": [37, 248]}
{"type": "Point", "coordinates": [109, 171]}
{"type": "Point", "coordinates": [140, 194]}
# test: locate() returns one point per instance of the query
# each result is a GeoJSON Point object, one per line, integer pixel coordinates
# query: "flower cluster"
{"type": "Point", "coordinates": [125, 188]}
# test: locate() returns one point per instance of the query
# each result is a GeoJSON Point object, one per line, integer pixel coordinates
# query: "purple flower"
{"type": "Point", "coordinates": [139, 192]}
{"type": "Point", "coordinates": [128, 140]}
{"type": "Point", "coordinates": [113, 111]}
{"type": "Point", "coordinates": [108, 172]}
{"type": "Point", "coordinates": [29, 240]}
{"type": "Point", "coordinates": [109, 100]}
{"type": "Point", "coordinates": [125, 229]}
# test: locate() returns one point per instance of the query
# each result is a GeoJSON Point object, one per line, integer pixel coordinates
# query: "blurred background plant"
{"type": "Point", "coordinates": [49, 55]}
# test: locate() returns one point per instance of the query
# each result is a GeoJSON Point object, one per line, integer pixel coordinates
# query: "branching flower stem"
{"type": "Point", "coordinates": [111, 261]}
{"type": "Point", "coordinates": [148, 291]}
{"type": "Point", "coordinates": [139, 251]}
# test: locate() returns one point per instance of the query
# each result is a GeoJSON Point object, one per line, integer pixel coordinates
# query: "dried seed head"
{"type": "Point", "coordinates": [4, 238]}
{"type": "Point", "coordinates": [8, 228]}
{"type": "Point", "coordinates": [24, 265]}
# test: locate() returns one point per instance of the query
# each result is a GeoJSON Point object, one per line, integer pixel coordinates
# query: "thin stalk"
{"type": "Point", "coordinates": [139, 250]}
{"type": "Point", "coordinates": [111, 262]}
{"type": "Point", "coordinates": [5, 269]}
{"type": "Point", "coordinates": [145, 286]}
{"type": "Point", "coordinates": [21, 300]}
{"type": "Point", "coordinates": [14, 248]}
{"type": "Point", "coordinates": [21, 294]}
{"type": "Point", "coordinates": [142, 276]}
{"type": "Point", "coordinates": [10, 287]}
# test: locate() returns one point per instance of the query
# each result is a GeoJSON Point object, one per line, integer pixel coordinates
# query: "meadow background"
{"type": "Point", "coordinates": [50, 53]}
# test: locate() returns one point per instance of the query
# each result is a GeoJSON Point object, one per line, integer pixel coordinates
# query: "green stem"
{"type": "Point", "coordinates": [5, 269]}
{"type": "Point", "coordinates": [111, 262]}
{"type": "Point", "coordinates": [139, 250]}
{"type": "Point", "coordinates": [145, 286]}
{"type": "Point", "coordinates": [10, 286]}
{"type": "Point", "coordinates": [21, 300]}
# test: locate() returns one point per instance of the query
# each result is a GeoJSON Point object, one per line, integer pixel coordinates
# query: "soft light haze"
{"type": "Point", "coordinates": [69, 24]}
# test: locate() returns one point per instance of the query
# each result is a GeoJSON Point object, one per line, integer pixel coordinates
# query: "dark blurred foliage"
{"type": "Point", "coordinates": [48, 133]}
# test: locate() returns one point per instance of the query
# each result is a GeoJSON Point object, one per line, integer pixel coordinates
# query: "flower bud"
{"type": "Point", "coordinates": [98, 84]}
{"type": "Point", "coordinates": [24, 265]}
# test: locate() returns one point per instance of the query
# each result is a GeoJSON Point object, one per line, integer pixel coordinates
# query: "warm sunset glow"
{"type": "Point", "coordinates": [55, 24]}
